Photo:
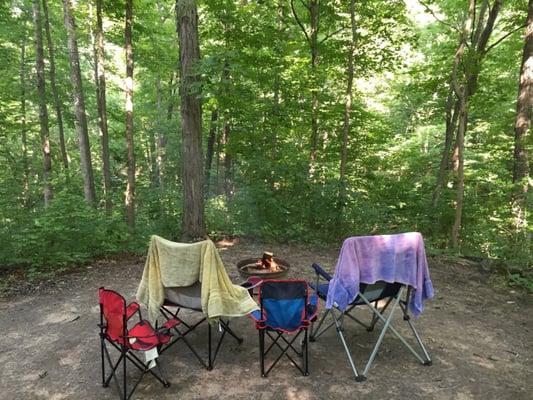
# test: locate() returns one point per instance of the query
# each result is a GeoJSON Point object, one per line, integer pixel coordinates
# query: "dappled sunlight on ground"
{"type": "Point", "coordinates": [480, 344]}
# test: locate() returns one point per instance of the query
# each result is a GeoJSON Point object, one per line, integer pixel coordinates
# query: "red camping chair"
{"type": "Point", "coordinates": [114, 316]}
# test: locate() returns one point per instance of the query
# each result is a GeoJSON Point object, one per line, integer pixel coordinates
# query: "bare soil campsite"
{"type": "Point", "coordinates": [479, 336]}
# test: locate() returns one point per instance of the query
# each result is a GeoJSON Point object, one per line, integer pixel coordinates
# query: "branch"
{"type": "Point", "coordinates": [437, 18]}
{"type": "Point", "coordinates": [299, 22]}
{"type": "Point", "coordinates": [304, 4]}
{"type": "Point", "coordinates": [331, 34]}
{"type": "Point", "coordinates": [497, 42]}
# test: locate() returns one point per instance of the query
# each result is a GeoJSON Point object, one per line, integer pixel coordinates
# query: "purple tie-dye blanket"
{"type": "Point", "coordinates": [390, 258]}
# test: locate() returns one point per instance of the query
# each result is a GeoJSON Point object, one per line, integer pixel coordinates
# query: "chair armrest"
{"type": "Point", "coordinates": [320, 272]}
{"type": "Point", "coordinates": [132, 309]}
{"type": "Point", "coordinates": [312, 308]}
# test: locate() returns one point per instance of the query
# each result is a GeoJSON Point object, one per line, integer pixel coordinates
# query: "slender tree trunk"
{"type": "Point", "coordinates": [191, 122]}
{"type": "Point", "coordinates": [228, 163]}
{"type": "Point", "coordinates": [159, 128]}
{"type": "Point", "coordinates": [57, 103]}
{"type": "Point", "coordinates": [23, 127]}
{"type": "Point", "coordinates": [79, 105]}
{"type": "Point", "coordinates": [347, 104]}
{"type": "Point", "coordinates": [314, 16]}
{"type": "Point", "coordinates": [43, 111]}
{"type": "Point", "coordinates": [460, 183]}
{"type": "Point", "coordinates": [210, 149]}
{"type": "Point", "coordinates": [130, 187]}
{"type": "Point", "coordinates": [522, 127]}
{"type": "Point", "coordinates": [152, 157]}
{"type": "Point", "coordinates": [99, 70]}
{"type": "Point", "coordinates": [452, 113]}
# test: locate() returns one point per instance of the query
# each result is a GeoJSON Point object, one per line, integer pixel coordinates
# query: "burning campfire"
{"type": "Point", "coordinates": [267, 266]}
{"type": "Point", "coordinates": [267, 262]}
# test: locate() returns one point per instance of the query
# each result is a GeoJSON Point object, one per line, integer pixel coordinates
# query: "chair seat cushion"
{"type": "Point", "coordinates": [186, 297]}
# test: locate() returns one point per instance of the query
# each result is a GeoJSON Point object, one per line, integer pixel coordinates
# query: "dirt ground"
{"type": "Point", "coordinates": [479, 336]}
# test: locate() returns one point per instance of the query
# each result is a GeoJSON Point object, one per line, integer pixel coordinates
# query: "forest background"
{"type": "Point", "coordinates": [315, 120]}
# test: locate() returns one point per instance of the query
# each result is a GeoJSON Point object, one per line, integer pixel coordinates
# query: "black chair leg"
{"type": "Point", "coordinates": [262, 351]}
{"type": "Point", "coordinates": [209, 355]}
{"type": "Point", "coordinates": [125, 377]}
{"type": "Point", "coordinates": [103, 361]}
{"type": "Point", "coordinates": [306, 354]}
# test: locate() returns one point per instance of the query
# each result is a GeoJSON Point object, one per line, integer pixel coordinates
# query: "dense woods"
{"type": "Point", "coordinates": [283, 120]}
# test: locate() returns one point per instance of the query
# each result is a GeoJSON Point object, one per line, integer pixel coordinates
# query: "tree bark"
{"type": "Point", "coordinates": [460, 180]}
{"type": "Point", "coordinates": [23, 127]}
{"type": "Point", "coordinates": [79, 105]}
{"type": "Point", "coordinates": [522, 127]}
{"type": "Point", "coordinates": [191, 119]}
{"type": "Point", "coordinates": [55, 93]}
{"type": "Point", "coordinates": [130, 187]}
{"type": "Point", "coordinates": [347, 104]}
{"type": "Point", "coordinates": [228, 163]}
{"type": "Point", "coordinates": [210, 149]}
{"type": "Point", "coordinates": [160, 134]}
{"type": "Point", "coordinates": [313, 7]}
{"type": "Point", "coordinates": [99, 68]}
{"type": "Point", "coordinates": [43, 110]}
{"type": "Point", "coordinates": [314, 16]}
{"type": "Point", "coordinates": [463, 84]}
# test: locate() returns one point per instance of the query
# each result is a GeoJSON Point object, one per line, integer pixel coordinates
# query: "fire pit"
{"type": "Point", "coordinates": [266, 267]}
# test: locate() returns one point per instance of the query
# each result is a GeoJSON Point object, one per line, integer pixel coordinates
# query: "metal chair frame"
{"type": "Point", "coordinates": [126, 354]}
{"type": "Point", "coordinates": [223, 328]}
{"type": "Point", "coordinates": [393, 303]}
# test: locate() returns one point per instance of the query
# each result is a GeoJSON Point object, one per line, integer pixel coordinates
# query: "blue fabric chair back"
{"type": "Point", "coordinates": [283, 304]}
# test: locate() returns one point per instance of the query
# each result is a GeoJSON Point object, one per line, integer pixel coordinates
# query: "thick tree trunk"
{"type": "Point", "coordinates": [55, 93]}
{"type": "Point", "coordinates": [191, 122]}
{"type": "Point", "coordinates": [79, 105]}
{"type": "Point", "coordinates": [43, 111]}
{"type": "Point", "coordinates": [130, 187]}
{"type": "Point", "coordinates": [99, 67]}
{"type": "Point", "coordinates": [210, 149]}
{"type": "Point", "coordinates": [522, 128]}
{"type": "Point", "coordinates": [23, 127]}
{"type": "Point", "coordinates": [347, 104]}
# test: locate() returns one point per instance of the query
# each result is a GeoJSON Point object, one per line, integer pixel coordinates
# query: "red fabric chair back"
{"type": "Point", "coordinates": [113, 308]}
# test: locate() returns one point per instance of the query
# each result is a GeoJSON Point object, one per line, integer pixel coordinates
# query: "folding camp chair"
{"type": "Point", "coordinates": [114, 317]}
{"type": "Point", "coordinates": [189, 298]}
{"type": "Point", "coordinates": [287, 307]}
{"type": "Point", "coordinates": [370, 295]}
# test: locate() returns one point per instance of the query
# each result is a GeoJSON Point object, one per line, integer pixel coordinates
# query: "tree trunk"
{"type": "Point", "coordinates": [460, 182]}
{"type": "Point", "coordinates": [57, 103]}
{"type": "Point", "coordinates": [522, 126]}
{"type": "Point", "coordinates": [159, 127]}
{"type": "Point", "coordinates": [314, 15]}
{"type": "Point", "coordinates": [452, 113]}
{"type": "Point", "coordinates": [130, 187]}
{"type": "Point", "coordinates": [99, 68]}
{"type": "Point", "coordinates": [228, 164]}
{"type": "Point", "coordinates": [23, 127]}
{"type": "Point", "coordinates": [79, 106]}
{"type": "Point", "coordinates": [347, 104]}
{"type": "Point", "coordinates": [210, 149]}
{"type": "Point", "coordinates": [43, 111]}
{"type": "Point", "coordinates": [191, 121]}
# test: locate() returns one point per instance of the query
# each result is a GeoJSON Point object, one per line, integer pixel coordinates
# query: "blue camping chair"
{"type": "Point", "coordinates": [287, 307]}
